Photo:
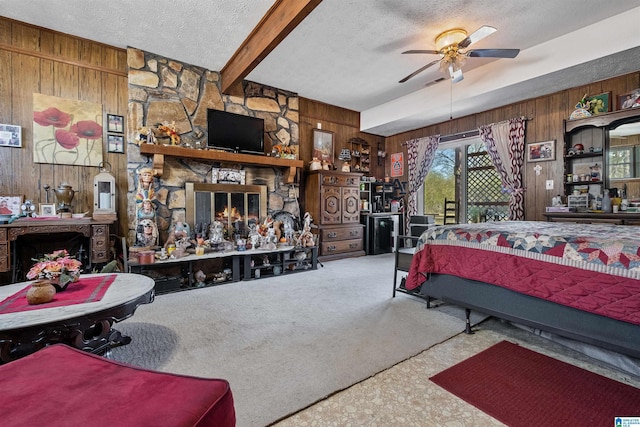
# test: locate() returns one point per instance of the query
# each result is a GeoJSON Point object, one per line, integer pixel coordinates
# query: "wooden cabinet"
{"type": "Point", "coordinates": [333, 199]}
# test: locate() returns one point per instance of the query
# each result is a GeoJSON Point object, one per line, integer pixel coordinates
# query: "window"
{"type": "Point", "coordinates": [462, 170]}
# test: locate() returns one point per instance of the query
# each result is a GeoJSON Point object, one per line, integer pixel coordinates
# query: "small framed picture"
{"type": "Point", "coordinates": [115, 123]}
{"type": "Point", "coordinates": [10, 136]}
{"type": "Point", "coordinates": [600, 103]}
{"type": "Point", "coordinates": [629, 100]}
{"type": "Point", "coordinates": [541, 151]}
{"type": "Point", "coordinates": [10, 204]}
{"type": "Point", "coordinates": [47, 210]}
{"type": "Point", "coordinates": [323, 145]}
{"type": "Point", "coordinates": [115, 143]}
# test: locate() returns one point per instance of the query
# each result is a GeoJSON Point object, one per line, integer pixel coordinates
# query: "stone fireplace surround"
{"type": "Point", "coordinates": [164, 90]}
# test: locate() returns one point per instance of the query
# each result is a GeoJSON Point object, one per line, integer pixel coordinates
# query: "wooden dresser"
{"type": "Point", "coordinates": [333, 199]}
{"type": "Point", "coordinates": [96, 231]}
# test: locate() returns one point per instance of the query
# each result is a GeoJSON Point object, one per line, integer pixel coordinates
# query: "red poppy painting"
{"type": "Point", "coordinates": [66, 131]}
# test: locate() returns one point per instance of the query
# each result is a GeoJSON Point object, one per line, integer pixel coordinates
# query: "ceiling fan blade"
{"type": "Point", "coordinates": [432, 52]}
{"type": "Point", "coordinates": [438, 80]}
{"type": "Point", "coordinates": [419, 70]}
{"type": "Point", "coordinates": [493, 53]}
{"type": "Point", "coordinates": [477, 35]}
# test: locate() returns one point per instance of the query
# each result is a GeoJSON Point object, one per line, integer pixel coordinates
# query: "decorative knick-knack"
{"type": "Point", "coordinates": [41, 292]}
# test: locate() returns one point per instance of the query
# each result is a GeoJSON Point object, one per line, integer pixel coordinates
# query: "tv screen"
{"type": "Point", "coordinates": [235, 132]}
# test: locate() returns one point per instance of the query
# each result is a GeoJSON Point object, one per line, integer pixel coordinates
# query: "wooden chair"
{"type": "Point", "coordinates": [451, 208]}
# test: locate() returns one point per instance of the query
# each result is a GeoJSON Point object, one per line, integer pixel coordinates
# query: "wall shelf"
{"type": "Point", "coordinates": [158, 152]}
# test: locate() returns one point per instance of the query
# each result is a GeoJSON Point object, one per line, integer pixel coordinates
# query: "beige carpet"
{"type": "Point", "coordinates": [284, 343]}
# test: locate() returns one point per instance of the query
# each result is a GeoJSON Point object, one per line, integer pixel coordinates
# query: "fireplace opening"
{"type": "Point", "coordinates": [235, 206]}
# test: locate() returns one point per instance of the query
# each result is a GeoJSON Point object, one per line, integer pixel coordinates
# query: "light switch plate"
{"type": "Point", "coordinates": [549, 184]}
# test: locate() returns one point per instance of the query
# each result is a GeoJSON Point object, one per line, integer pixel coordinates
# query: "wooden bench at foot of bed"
{"type": "Point", "coordinates": [60, 385]}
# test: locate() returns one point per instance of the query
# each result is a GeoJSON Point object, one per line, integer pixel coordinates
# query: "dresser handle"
{"type": "Point", "coordinates": [353, 245]}
{"type": "Point", "coordinates": [353, 233]}
{"type": "Point", "coordinates": [331, 248]}
{"type": "Point", "coordinates": [332, 235]}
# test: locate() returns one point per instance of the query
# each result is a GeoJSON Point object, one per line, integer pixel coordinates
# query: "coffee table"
{"type": "Point", "coordinates": [86, 326]}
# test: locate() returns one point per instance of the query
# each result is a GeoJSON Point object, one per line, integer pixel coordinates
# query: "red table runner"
{"type": "Point", "coordinates": [87, 289]}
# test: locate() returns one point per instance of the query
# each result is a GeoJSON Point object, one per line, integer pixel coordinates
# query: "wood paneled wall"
{"type": "Point", "coordinates": [38, 60]}
{"type": "Point", "coordinates": [345, 124]}
{"type": "Point", "coordinates": [34, 59]}
{"type": "Point", "coordinates": [547, 114]}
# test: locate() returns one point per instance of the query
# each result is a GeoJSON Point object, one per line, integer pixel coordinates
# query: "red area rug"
{"type": "Point", "coordinates": [520, 387]}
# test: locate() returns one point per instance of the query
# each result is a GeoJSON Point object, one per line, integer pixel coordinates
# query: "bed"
{"type": "Point", "coordinates": [581, 281]}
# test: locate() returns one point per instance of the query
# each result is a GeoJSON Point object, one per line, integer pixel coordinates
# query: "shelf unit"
{"type": "Point", "coordinates": [238, 265]}
{"type": "Point", "coordinates": [360, 155]}
{"type": "Point", "coordinates": [593, 133]}
{"type": "Point", "coordinates": [365, 196]}
{"type": "Point", "coordinates": [283, 262]}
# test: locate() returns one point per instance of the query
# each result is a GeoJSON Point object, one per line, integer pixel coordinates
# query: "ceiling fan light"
{"type": "Point", "coordinates": [450, 37]}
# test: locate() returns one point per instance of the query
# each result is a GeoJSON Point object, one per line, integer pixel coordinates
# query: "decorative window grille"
{"type": "Point", "coordinates": [486, 201]}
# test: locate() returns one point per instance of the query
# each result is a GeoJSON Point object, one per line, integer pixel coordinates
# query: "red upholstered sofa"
{"type": "Point", "coordinates": [60, 385]}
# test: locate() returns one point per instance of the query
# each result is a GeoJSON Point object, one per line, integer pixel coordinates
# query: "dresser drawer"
{"type": "Point", "coordinates": [343, 233]}
{"type": "Point", "coordinates": [343, 246]}
{"type": "Point", "coordinates": [340, 180]}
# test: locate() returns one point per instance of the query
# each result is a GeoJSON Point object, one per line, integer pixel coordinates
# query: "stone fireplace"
{"type": "Point", "coordinates": [236, 206]}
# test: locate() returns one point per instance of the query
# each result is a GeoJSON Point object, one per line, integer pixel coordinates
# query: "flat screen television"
{"type": "Point", "coordinates": [235, 132]}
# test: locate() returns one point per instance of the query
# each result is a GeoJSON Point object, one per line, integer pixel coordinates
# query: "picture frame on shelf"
{"type": "Point", "coordinates": [629, 100]}
{"type": "Point", "coordinates": [541, 151]}
{"type": "Point", "coordinates": [115, 123]}
{"type": "Point", "coordinates": [10, 204]}
{"type": "Point", "coordinates": [323, 145]}
{"type": "Point", "coordinates": [115, 143]}
{"type": "Point", "coordinates": [47, 210]}
{"type": "Point", "coordinates": [10, 135]}
{"type": "Point", "coordinates": [603, 103]}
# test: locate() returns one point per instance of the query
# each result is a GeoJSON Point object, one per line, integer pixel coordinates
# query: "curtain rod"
{"type": "Point", "coordinates": [463, 135]}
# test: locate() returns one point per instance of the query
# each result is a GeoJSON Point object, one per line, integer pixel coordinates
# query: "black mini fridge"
{"type": "Point", "coordinates": [380, 235]}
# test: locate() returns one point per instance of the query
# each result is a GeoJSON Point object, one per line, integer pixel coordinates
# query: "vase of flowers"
{"type": "Point", "coordinates": [58, 267]}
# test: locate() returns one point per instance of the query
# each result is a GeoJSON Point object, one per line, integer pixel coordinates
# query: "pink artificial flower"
{"type": "Point", "coordinates": [51, 117]}
{"type": "Point", "coordinates": [67, 139]}
{"type": "Point", "coordinates": [87, 129]}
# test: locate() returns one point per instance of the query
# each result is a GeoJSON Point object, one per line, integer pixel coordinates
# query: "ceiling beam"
{"type": "Point", "coordinates": [275, 25]}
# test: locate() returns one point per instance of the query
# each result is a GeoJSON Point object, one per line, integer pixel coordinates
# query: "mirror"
{"type": "Point", "coordinates": [624, 152]}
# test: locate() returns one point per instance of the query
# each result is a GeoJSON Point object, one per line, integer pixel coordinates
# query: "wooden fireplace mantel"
{"type": "Point", "coordinates": [289, 166]}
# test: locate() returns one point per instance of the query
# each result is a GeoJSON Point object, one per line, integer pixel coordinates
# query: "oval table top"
{"type": "Point", "coordinates": [125, 288]}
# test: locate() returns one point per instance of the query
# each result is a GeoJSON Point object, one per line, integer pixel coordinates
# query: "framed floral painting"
{"type": "Point", "coordinates": [66, 131]}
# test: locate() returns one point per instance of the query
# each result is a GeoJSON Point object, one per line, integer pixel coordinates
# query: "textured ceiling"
{"type": "Point", "coordinates": [348, 52]}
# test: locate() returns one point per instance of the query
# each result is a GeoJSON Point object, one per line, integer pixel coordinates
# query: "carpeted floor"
{"type": "Point", "coordinates": [285, 343]}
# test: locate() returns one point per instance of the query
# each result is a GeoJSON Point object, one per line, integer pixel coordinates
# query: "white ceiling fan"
{"type": "Point", "coordinates": [450, 46]}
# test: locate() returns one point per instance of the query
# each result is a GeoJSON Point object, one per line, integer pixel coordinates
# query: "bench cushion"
{"type": "Point", "coordinates": [60, 385]}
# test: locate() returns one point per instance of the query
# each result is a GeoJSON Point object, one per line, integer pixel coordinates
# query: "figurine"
{"type": "Point", "coordinates": [147, 234]}
{"type": "Point", "coordinates": [306, 239]}
{"type": "Point", "coordinates": [200, 278]}
{"type": "Point", "coordinates": [145, 185]}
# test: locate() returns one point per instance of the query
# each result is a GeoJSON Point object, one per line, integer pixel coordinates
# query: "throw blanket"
{"type": "Point", "coordinates": [594, 268]}
{"type": "Point", "coordinates": [83, 291]}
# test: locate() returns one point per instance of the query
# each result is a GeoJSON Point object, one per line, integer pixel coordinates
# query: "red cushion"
{"type": "Point", "coordinates": [65, 386]}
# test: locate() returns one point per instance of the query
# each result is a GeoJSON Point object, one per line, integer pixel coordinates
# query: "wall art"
{"type": "Point", "coordinates": [66, 131]}
{"type": "Point", "coordinates": [10, 136]}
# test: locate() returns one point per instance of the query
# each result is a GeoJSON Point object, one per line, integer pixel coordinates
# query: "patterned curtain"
{"type": "Point", "coordinates": [505, 146]}
{"type": "Point", "coordinates": [420, 153]}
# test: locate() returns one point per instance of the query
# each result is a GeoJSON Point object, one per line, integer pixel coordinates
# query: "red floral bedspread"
{"type": "Point", "coordinates": [595, 268]}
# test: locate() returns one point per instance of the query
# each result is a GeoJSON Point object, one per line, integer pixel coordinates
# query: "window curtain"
{"type": "Point", "coordinates": [505, 146]}
{"type": "Point", "coordinates": [420, 154]}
